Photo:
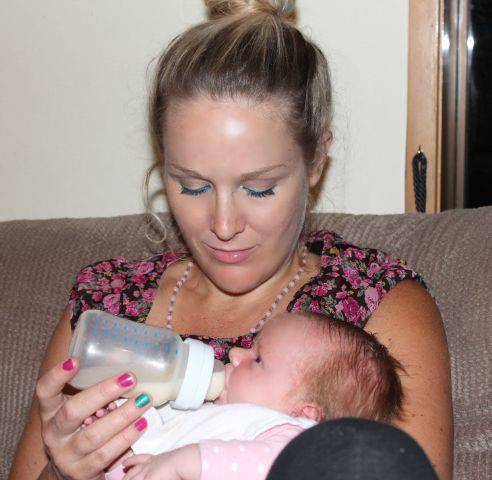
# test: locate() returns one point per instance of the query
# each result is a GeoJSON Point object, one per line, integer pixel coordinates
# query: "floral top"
{"type": "Point", "coordinates": [349, 286]}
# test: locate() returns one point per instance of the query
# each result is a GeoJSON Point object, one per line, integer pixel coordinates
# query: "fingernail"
{"type": "Point", "coordinates": [68, 365]}
{"type": "Point", "coordinates": [141, 424]}
{"type": "Point", "coordinates": [142, 400]}
{"type": "Point", "coordinates": [126, 380]}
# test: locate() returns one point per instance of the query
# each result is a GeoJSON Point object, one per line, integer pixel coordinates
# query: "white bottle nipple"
{"type": "Point", "coordinates": [198, 377]}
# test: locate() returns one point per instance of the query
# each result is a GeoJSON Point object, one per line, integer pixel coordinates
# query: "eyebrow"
{"type": "Point", "coordinates": [244, 176]}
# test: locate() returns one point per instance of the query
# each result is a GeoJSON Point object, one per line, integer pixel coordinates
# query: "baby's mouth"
{"type": "Point", "coordinates": [221, 399]}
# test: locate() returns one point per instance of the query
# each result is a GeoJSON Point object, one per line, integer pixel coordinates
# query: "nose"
{"type": "Point", "coordinates": [237, 355]}
{"type": "Point", "coordinates": [227, 219]}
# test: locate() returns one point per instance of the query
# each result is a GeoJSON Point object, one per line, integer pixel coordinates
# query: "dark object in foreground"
{"type": "Point", "coordinates": [350, 449]}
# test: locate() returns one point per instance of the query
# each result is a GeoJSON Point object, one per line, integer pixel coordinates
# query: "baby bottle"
{"type": "Point", "coordinates": [184, 373]}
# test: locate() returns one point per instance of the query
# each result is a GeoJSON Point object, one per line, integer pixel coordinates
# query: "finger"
{"type": "Point", "coordinates": [116, 446]}
{"type": "Point", "coordinates": [136, 459]}
{"type": "Point", "coordinates": [101, 412]}
{"type": "Point", "coordinates": [132, 474]}
{"type": "Point", "coordinates": [117, 424]}
{"type": "Point", "coordinates": [50, 385]}
{"type": "Point", "coordinates": [138, 472]}
{"type": "Point", "coordinates": [112, 406]}
{"type": "Point", "coordinates": [80, 406]}
{"type": "Point", "coordinates": [89, 421]}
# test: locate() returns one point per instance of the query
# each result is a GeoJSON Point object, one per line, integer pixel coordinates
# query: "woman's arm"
{"type": "Point", "coordinates": [408, 322]}
{"type": "Point", "coordinates": [30, 458]}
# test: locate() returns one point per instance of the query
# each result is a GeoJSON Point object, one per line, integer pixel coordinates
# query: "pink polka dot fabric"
{"type": "Point", "coordinates": [245, 460]}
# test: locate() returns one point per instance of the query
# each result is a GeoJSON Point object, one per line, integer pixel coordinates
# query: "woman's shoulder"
{"type": "Point", "coordinates": [335, 250]}
{"type": "Point", "coordinates": [119, 286]}
{"type": "Point", "coordinates": [351, 280]}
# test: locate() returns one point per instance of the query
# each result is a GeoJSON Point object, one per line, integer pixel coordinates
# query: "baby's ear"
{"type": "Point", "coordinates": [308, 410]}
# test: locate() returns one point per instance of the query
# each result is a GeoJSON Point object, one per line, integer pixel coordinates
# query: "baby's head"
{"type": "Point", "coordinates": [313, 366]}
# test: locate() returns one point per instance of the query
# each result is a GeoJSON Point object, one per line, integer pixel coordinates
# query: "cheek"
{"type": "Point", "coordinates": [284, 217]}
{"type": "Point", "coordinates": [188, 211]}
{"type": "Point", "coordinates": [240, 381]}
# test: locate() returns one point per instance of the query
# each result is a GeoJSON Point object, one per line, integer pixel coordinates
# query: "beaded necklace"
{"type": "Point", "coordinates": [265, 316]}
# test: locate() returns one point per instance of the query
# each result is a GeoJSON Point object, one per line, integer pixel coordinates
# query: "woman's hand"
{"type": "Point", "coordinates": [83, 453]}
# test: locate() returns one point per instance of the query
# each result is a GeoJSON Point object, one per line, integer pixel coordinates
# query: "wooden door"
{"type": "Point", "coordinates": [424, 115]}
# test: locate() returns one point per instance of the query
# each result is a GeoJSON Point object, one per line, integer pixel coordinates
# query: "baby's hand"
{"type": "Point", "coordinates": [100, 413]}
{"type": "Point", "coordinates": [151, 467]}
{"type": "Point", "coordinates": [181, 464]}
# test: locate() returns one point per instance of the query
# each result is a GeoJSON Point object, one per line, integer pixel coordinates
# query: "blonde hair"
{"type": "Point", "coordinates": [247, 49]}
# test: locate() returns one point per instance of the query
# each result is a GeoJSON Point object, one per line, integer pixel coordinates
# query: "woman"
{"type": "Point", "coordinates": [240, 115]}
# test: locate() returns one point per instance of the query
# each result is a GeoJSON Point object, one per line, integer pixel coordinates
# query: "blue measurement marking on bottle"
{"type": "Point", "coordinates": [146, 344]}
{"type": "Point", "coordinates": [165, 347]}
{"type": "Point", "coordinates": [176, 352]}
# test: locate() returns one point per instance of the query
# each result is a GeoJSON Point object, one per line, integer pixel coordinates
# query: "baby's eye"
{"type": "Point", "coordinates": [258, 359]}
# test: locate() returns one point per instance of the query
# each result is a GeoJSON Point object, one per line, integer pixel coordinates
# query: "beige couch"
{"type": "Point", "coordinates": [453, 250]}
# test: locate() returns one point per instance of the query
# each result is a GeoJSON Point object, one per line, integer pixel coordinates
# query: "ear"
{"type": "Point", "coordinates": [319, 161]}
{"type": "Point", "coordinates": [307, 410]}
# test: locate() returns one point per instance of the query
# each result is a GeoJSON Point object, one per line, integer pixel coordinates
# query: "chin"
{"type": "Point", "coordinates": [234, 286]}
{"type": "Point", "coordinates": [235, 280]}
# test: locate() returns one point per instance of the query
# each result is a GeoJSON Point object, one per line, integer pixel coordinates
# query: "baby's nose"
{"type": "Point", "coordinates": [236, 355]}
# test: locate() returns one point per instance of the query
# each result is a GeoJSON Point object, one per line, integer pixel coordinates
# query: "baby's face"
{"type": "Point", "coordinates": [266, 373]}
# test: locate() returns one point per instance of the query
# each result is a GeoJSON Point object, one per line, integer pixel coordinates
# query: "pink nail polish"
{"type": "Point", "coordinates": [141, 424]}
{"type": "Point", "coordinates": [68, 365]}
{"type": "Point", "coordinates": [125, 380]}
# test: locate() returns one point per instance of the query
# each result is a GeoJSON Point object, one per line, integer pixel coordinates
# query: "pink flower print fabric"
{"type": "Point", "coordinates": [349, 286]}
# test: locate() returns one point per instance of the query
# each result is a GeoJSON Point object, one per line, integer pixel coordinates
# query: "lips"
{"type": "Point", "coordinates": [222, 398]}
{"type": "Point", "coordinates": [230, 256]}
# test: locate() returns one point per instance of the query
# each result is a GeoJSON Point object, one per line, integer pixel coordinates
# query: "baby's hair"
{"type": "Point", "coordinates": [351, 374]}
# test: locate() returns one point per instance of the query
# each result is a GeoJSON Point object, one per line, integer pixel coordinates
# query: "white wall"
{"type": "Point", "coordinates": [73, 86]}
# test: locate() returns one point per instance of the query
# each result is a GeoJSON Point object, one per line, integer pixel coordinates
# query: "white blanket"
{"type": "Point", "coordinates": [169, 429]}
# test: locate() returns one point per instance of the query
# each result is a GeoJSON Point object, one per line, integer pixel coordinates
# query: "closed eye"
{"type": "Point", "coordinates": [260, 194]}
{"type": "Point", "coordinates": [191, 191]}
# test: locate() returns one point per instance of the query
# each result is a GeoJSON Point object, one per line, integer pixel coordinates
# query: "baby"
{"type": "Point", "coordinates": [302, 369]}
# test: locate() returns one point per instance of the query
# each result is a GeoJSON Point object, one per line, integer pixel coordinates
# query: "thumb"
{"type": "Point", "coordinates": [50, 385]}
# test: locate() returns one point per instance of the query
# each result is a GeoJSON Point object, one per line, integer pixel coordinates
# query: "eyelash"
{"type": "Point", "coordinates": [249, 192]}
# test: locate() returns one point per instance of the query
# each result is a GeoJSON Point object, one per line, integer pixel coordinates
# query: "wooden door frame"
{"type": "Point", "coordinates": [424, 113]}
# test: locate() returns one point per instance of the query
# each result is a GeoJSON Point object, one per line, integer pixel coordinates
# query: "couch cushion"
{"type": "Point", "coordinates": [452, 250]}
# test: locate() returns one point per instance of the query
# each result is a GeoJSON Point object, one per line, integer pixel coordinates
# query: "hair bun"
{"type": "Point", "coordinates": [285, 9]}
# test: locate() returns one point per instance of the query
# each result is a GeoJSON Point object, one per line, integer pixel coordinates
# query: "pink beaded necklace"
{"type": "Point", "coordinates": [265, 316]}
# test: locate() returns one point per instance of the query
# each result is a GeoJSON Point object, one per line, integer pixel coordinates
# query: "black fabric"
{"type": "Point", "coordinates": [352, 449]}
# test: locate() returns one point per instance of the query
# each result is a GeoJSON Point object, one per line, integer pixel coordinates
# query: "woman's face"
{"type": "Point", "coordinates": [237, 186]}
